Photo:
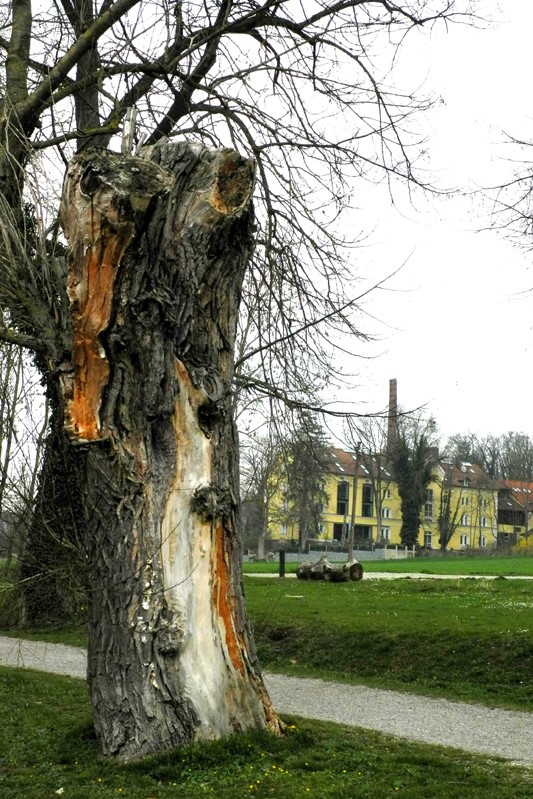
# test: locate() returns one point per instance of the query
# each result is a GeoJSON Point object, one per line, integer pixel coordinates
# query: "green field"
{"type": "Point", "coordinates": [468, 639]}
{"type": "Point", "coordinates": [495, 566]}
{"type": "Point", "coordinates": [463, 639]}
{"type": "Point", "coordinates": [47, 750]}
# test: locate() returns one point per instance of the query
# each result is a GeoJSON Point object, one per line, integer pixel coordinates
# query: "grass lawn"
{"type": "Point", "coordinates": [470, 640]}
{"type": "Point", "coordinates": [495, 566]}
{"type": "Point", "coordinates": [464, 639]}
{"type": "Point", "coordinates": [47, 750]}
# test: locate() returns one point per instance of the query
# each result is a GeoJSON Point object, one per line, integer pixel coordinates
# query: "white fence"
{"type": "Point", "coordinates": [387, 553]}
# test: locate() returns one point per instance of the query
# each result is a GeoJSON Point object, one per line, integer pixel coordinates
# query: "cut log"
{"type": "Point", "coordinates": [324, 570]}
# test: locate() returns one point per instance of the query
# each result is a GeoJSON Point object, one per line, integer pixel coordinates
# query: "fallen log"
{"type": "Point", "coordinates": [324, 570]}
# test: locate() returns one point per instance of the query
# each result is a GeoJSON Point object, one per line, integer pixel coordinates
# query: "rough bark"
{"type": "Point", "coordinates": [158, 250]}
{"type": "Point", "coordinates": [324, 570]}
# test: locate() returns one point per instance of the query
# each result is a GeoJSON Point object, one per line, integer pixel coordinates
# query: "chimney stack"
{"type": "Point", "coordinates": [392, 418]}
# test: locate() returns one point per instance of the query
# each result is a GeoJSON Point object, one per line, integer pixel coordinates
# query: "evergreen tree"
{"type": "Point", "coordinates": [414, 458]}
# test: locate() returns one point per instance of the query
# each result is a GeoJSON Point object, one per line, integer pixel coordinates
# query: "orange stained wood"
{"type": "Point", "coordinates": [91, 293]}
{"type": "Point", "coordinates": [235, 643]}
{"type": "Point", "coordinates": [223, 604]}
{"type": "Point", "coordinates": [233, 185]}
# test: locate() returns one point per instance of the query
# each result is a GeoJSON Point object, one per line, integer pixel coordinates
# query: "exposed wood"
{"type": "Point", "coordinates": [128, 131]}
{"type": "Point", "coordinates": [335, 573]}
{"type": "Point", "coordinates": [104, 197]}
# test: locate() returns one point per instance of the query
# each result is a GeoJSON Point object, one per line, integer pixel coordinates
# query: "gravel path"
{"type": "Point", "coordinates": [474, 728]}
{"type": "Point", "coordinates": [55, 658]}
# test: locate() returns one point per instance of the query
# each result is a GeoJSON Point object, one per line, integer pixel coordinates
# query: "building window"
{"type": "Point", "coordinates": [283, 530]}
{"type": "Point", "coordinates": [368, 501]}
{"type": "Point", "coordinates": [362, 532]}
{"type": "Point", "coordinates": [385, 533]}
{"type": "Point", "coordinates": [483, 541]}
{"type": "Point", "coordinates": [387, 493]}
{"type": "Point", "coordinates": [385, 512]}
{"type": "Point", "coordinates": [465, 541]}
{"type": "Point", "coordinates": [428, 541]}
{"type": "Point", "coordinates": [343, 493]}
{"type": "Point", "coordinates": [483, 521]}
{"type": "Point", "coordinates": [465, 482]}
{"type": "Point", "coordinates": [428, 509]}
{"type": "Point", "coordinates": [338, 531]}
{"type": "Point", "coordinates": [465, 520]}
{"type": "Point", "coordinates": [484, 503]}
{"type": "Point", "coordinates": [465, 500]}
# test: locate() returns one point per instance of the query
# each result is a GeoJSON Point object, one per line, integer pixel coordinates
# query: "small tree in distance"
{"type": "Point", "coordinates": [262, 484]}
{"type": "Point", "coordinates": [450, 509]}
{"type": "Point", "coordinates": [367, 438]}
{"type": "Point", "coordinates": [306, 458]}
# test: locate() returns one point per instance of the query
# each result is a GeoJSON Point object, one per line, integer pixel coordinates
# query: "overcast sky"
{"type": "Point", "coordinates": [458, 332]}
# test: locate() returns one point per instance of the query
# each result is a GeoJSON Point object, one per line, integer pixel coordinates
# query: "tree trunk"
{"type": "Point", "coordinates": [158, 250]}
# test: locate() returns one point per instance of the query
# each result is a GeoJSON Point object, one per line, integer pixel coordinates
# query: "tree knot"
{"type": "Point", "coordinates": [212, 502]}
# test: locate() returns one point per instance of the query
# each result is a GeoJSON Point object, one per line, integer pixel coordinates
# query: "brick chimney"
{"type": "Point", "coordinates": [392, 418]}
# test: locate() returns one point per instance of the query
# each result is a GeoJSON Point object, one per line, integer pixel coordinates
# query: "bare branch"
{"type": "Point", "coordinates": [28, 342]}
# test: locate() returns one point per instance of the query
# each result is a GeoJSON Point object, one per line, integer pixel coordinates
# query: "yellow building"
{"type": "Point", "coordinates": [377, 517]}
{"type": "Point", "coordinates": [460, 512]}
{"type": "Point", "coordinates": [464, 512]}
{"type": "Point", "coordinates": [515, 511]}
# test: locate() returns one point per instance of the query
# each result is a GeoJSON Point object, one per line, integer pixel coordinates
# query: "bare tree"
{"type": "Point", "coordinates": [262, 459]}
{"type": "Point", "coordinates": [471, 448]}
{"type": "Point", "coordinates": [11, 364]}
{"type": "Point", "coordinates": [22, 419]}
{"type": "Point", "coordinates": [450, 509]}
{"type": "Point", "coordinates": [512, 201]}
{"type": "Point", "coordinates": [509, 455]}
{"type": "Point", "coordinates": [306, 456]}
{"type": "Point", "coordinates": [368, 438]}
{"type": "Point", "coordinates": [134, 325]}
{"type": "Point", "coordinates": [516, 456]}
